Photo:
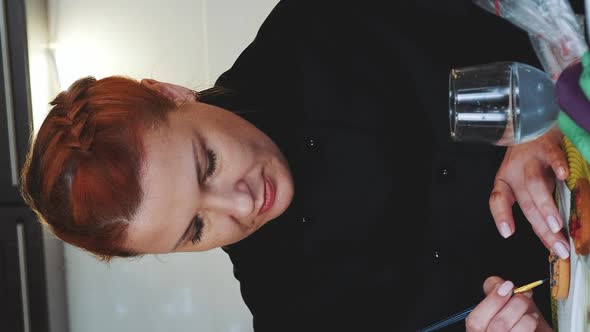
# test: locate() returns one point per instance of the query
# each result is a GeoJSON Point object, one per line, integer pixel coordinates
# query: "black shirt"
{"type": "Point", "coordinates": [387, 231]}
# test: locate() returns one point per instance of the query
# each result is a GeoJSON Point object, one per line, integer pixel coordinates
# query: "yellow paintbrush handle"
{"type": "Point", "coordinates": [528, 286]}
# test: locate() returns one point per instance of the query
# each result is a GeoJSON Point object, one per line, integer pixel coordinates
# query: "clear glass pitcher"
{"type": "Point", "coordinates": [501, 103]}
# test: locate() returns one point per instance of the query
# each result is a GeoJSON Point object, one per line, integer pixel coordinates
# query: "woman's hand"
{"type": "Point", "coordinates": [527, 175]}
{"type": "Point", "coordinates": [503, 311]}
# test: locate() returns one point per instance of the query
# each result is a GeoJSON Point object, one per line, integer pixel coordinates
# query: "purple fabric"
{"type": "Point", "coordinates": [570, 96]}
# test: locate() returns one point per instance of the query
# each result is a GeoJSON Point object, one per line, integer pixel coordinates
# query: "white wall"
{"type": "Point", "coordinates": [187, 42]}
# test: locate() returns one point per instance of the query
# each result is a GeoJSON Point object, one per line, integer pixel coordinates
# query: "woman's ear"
{"type": "Point", "coordinates": [176, 93]}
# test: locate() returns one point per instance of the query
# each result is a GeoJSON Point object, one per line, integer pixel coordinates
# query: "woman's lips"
{"type": "Point", "coordinates": [269, 197]}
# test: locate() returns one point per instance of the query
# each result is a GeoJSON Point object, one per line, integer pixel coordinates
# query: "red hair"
{"type": "Point", "coordinates": [82, 173]}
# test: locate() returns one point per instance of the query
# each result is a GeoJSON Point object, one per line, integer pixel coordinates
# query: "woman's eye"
{"type": "Point", "coordinates": [211, 163]}
{"type": "Point", "coordinates": [198, 226]}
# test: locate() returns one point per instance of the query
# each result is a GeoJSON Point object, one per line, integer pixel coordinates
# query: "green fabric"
{"type": "Point", "coordinates": [577, 135]}
{"type": "Point", "coordinates": [554, 316]}
{"type": "Point", "coordinates": [585, 76]}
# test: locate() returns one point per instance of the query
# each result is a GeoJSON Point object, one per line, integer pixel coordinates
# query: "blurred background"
{"type": "Point", "coordinates": [47, 286]}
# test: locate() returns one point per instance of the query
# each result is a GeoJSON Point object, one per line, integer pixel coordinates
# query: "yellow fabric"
{"type": "Point", "coordinates": [577, 164]}
{"type": "Point", "coordinates": [579, 167]}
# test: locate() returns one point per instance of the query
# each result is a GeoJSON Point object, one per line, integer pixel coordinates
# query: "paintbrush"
{"type": "Point", "coordinates": [462, 314]}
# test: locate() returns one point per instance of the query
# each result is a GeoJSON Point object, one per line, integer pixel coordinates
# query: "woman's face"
{"type": "Point", "coordinates": [210, 179]}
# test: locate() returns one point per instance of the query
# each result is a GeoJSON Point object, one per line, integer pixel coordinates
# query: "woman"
{"type": "Point", "coordinates": [294, 164]}
{"type": "Point", "coordinates": [107, 161]}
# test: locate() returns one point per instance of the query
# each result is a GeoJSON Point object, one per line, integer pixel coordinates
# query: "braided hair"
{"type": "Point", "coordinates": [83, 169]}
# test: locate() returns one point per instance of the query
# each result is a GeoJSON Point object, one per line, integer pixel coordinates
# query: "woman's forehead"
{"type": "Point", "coordinates": [167, 182]}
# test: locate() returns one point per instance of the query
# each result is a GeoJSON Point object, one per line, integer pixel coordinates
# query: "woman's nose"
{"type": "Point", "coordinates": [236, 201]}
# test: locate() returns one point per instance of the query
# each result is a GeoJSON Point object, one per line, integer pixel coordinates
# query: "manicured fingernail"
{"type": "Point", "coordinates": [535, 315]}
{"type": "Point", "coordinates": [506, 288]}
{"type": "Point", "coordinates": [561, 172]}
{"type": "Point", "coordinates": [528, 294]}
{"type": "Point", "coordinates": [505, 230]}
{"type": "Point", "coordinates": [560, 250]}
{"type": "Point", "coordinates": [553, 224]}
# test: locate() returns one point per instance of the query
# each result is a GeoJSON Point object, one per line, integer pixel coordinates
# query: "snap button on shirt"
{"type": "Point", "coordinates": [311, 143]}
{"type": "Point", "coordinates": [446, 174]}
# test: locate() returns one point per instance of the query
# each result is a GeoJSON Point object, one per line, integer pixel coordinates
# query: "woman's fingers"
{"type": "Point", "coordinates": [501, 201]}
{"type": "Point", "coordinates": [484, 312]}
{"type": "Point", "coordinates": [512, 314]}
{"type": "Point", "coordinates": [539, 188]}
{"type": "Point", "coordinates": [490, 283]}
{"type": "Point", "coordinates": [539, 208]}
{"type": "Point", "coordinates": [553, 241]}
{"type": "Point", "coordinates": [555, 157]}
{"type": "Point", "coordinates": [501, 310]}
{"type": "Point", "coordinates": [559, 166]}
{"type": "Point", "coordinates": [543, 325]}
{"type": "Point", "coordinates": [526, 323]}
